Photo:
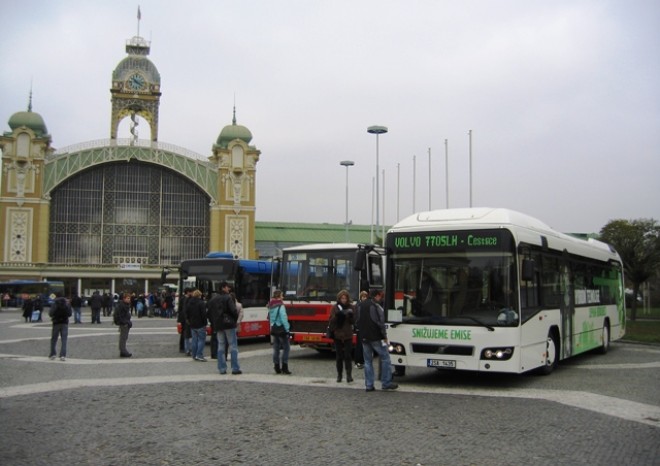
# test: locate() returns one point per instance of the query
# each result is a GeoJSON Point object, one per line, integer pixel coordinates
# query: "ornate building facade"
{"type": "Point", "coordinates": [110, 214]}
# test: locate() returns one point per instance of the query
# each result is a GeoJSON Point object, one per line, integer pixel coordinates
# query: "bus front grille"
{"type": "Point", "coordinates": [443, 349]}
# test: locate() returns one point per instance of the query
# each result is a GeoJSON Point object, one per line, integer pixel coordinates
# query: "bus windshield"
{"type": "Point", "coordinates": [318, 275]}
{"type": "Point", "coordinates": [454, 284]}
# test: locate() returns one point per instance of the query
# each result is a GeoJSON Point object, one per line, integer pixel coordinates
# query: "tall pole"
{"type": "Point", "coordinates": [372, 211]}
{"type": "Point", "coordinates": [398, 183]}
{"type": "Point", "coordinates": [346, 163]}
{"type": "Point", "coordinates": [429, 178]}
{"type": "Point", "coordinates": [377, 130]}
{"type": "Point", "coordinates": [470, 135]}
{"type": "Point", "coordinates": [447, 172]}
{"type": "Point", "coordinates": [414, 180]}
{"type": "Point", "coordinates": [382, 236]}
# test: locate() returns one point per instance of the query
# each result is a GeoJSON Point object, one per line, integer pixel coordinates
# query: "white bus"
{"type": "Point", "coordinates": [495, 290]}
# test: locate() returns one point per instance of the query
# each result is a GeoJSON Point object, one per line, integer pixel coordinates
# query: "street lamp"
{"type": "Point", "coordinates": [377, 130]}
{"type": "Point", "coordinates": [347, 163]}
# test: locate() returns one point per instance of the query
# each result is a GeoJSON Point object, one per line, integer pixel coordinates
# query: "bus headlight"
{"type": "Point", "coordinates": [497, 354]}
{"type": "Point", "coordinates": [396, 348]}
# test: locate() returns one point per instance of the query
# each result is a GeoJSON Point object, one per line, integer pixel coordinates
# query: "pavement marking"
{"type": "Point", "coordinates": [615, 407]}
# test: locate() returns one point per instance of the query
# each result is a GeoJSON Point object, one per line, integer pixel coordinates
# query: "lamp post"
{"type": "Point", "coordinates": [346, 163]}
{"type": "Point", "coordinates": [377, 130]}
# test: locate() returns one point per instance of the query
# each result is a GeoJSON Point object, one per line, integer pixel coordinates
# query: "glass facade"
{"type": "Point", "coordinates": [128, 213]}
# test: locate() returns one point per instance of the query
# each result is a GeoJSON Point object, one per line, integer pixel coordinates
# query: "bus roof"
{"type": "Point", "coordinates": [327, 247]}
{"type": "Point", "coordinates": [524, 228]}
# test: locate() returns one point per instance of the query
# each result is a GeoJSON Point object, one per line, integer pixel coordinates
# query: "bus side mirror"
{"type": "Point", "coordinates": [360, 259]}
{"type": "Point", "coordinates": [528, 267]}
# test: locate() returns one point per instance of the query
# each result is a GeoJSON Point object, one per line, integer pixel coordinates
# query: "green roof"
{"type": "Point", "coordinates": [311, 232]}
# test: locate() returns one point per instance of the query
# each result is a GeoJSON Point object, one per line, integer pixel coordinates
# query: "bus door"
{"type": "Point", "coordinates": [567, 307]}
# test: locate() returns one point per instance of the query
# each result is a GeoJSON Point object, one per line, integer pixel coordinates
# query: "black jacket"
{"type": "Point", "coordinates": [371, 321]}
{"type": "Point", "coordinates": [196, 312]}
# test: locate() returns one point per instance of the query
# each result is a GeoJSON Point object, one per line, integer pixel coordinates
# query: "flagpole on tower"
{"type": "Point", "coordinates": [139, 17]}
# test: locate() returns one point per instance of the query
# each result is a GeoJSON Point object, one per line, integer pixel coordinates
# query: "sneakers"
{"type": "Point", "coordinates": [370, 389]}
{"type": "Point", "coordinates": [238, 372]}
{"type": "Point", "coordinates": [359, 366]}
{"type": "Point", "coordinates": [392, 386]}
{"type": "Point", "coordinates": [62, 358]}
{"type": "Point", "coordinates": [53, 357]}
{"type": "Point", "coordinates": [202, 359]}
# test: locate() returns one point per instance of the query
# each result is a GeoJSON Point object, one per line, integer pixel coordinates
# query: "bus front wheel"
{"type": "Point", "coordinates": [551, 355]}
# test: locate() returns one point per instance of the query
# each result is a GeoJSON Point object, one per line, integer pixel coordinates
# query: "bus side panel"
{"type": "Point", "coordinates": [534, 336]}
{"type": "Point", "coordinates": [255, 323]}
{"type": "Point", "coordinates": [588, 325]}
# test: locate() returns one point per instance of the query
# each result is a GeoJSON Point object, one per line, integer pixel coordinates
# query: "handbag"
{"type": "Point", "coordinates": [329, 333]}
{"type": "Point", "coordinates": [277, 330]}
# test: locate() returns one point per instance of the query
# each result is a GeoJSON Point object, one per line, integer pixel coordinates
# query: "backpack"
{"type": "Point", "coordinates": [61, 311]}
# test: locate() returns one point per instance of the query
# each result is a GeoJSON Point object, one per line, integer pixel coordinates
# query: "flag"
{"type": "Point", "coordinates": [139, 14]}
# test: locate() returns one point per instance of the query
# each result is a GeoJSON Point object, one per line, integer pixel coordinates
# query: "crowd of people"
{"type": "Point", "coordinates": [224, 313]}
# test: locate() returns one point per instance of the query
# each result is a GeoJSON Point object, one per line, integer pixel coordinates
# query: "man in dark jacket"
{"type": "Point", "coordinates": [123, 319]}
{"type": "Point", "coordinates": [371, 322]}
{"type": "Point", "coordinates": [60, 311]}
{"type": "Point", "coordinates": [96, 302]}
{"type": "Point", "coordinates": [196, 315]}
{"type": "Point", "coordinates": [224, 316]}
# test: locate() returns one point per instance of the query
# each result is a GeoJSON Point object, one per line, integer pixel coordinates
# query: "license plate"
{"type": "Point", "coordinates": [441, 363]}
{"type": "Point", "coordinates": [311, 338]}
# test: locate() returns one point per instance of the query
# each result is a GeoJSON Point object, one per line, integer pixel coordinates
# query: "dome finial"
{"type": "Point", "coordinates": [233, 120]}
{"type": "Point", "coordinates": [30, 98]}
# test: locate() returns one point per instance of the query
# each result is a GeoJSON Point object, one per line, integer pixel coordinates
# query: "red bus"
{"type": "Point", "coordinates": [312, 275]}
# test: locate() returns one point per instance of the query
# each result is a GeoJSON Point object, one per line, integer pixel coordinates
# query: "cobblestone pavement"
{"type": "Point", "coordinates": [161, 408]}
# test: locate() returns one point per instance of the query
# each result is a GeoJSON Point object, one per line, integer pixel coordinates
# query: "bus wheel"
{"type": "Point", "coordinates": [605, 344]}
{"type": "Point", "coordinates": [552, 355]}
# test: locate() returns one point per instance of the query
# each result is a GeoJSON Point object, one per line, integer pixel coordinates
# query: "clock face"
{"type": "Point", "coordinates": [136, 82]}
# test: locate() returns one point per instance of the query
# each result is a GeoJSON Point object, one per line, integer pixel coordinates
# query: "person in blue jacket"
{"type": "Point", "coordinates": [277, 315]}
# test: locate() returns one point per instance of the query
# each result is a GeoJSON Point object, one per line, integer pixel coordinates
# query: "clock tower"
{"type": "Point", "coordinates": [135, 89]}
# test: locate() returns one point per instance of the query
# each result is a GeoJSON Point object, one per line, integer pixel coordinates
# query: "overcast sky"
{"type": "Point", "coordinates": [562, 97]}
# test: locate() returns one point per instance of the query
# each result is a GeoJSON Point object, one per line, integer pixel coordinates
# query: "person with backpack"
{"type": "Point", "coordinates": [60, 311]}
{"type": "Point", "coordinates": [225, 324]}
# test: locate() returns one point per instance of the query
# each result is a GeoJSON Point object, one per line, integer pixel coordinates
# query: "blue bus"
{"type": "Point", "coordinates": [251, 280]}
{"type": "Point", "coordinates": [14, 292]}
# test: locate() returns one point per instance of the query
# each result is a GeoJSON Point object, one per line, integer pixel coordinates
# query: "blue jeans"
{"type": "Point", "coordinates": [369, 348]}
{"type": "Point", "coordinates": [77, 315]}
{"type": "Point", "coordinates": [198, 342]}
{"type": "Point", "coordinates": [59, 330]}
{"type": "Point", "coordinates": [227, 336]}
{"type": "Point", "coordinates": [281, 343]}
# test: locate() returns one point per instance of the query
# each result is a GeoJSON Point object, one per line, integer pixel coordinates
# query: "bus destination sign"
{"type": "Point", "coordinates": [448, 241]}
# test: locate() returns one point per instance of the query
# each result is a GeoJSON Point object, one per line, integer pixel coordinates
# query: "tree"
{"type": "Point", "coordinates": [638, 244]}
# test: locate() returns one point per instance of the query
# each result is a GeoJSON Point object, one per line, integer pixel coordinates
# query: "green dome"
{"type": "Point", "coordinates": [233, 131]}
{"type": "Point", "coordinates": [30, 120]}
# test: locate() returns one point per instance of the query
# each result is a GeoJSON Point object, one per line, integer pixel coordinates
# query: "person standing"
{"type": "Point", "coordinates": [341, 326]}
{"type": "Point", "coordinates": [96, 302]}
{"type": "Point", "coordinates": [277, 315]}
{"type": "Point", "coordinates": [59, 312]}
{"type": "Point", "coordinates": [196, 315]}
{"type": "Point", "coordinates": [371, 322]}
{"type": "Point", "coordinates": [76, 304]}
{"type": "Point", "coordinates": [225, 323]}
{"type": "Point", "coordinates": [185, 338]}
{"type": "Point", "coordinates": [28, 307]}
{"type": "Point", "coordinates": [123, 319]}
